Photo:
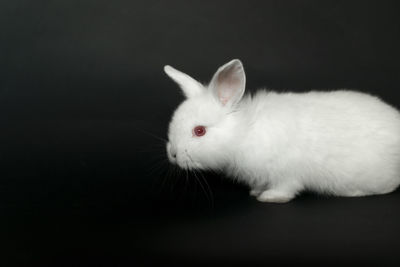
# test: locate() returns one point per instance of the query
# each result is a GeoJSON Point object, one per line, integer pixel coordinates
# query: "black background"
{"type": "Point", "coordinates": [85, 183]}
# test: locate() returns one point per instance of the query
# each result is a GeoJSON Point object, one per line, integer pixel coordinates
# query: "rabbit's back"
{"type": "Point", "coordinates": [343, 142]}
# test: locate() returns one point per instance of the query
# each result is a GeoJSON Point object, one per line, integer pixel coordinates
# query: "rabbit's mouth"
{"type": "Point", "coordinates": [182, 159]}
{"type": "Point", "coordinates": [190, 163]}
{"type": "Point", "coordinates": [186, 162]}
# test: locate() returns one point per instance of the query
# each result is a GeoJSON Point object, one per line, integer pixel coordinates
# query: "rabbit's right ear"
{"type": "Point", "coordinates": [189, 86]}
{"type": "Point", "coordinates": [228, 83]}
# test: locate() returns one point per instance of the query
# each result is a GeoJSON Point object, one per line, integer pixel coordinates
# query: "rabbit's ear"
{"type": "Point", "coordinates": [189, 86]}
{"type": "Point", "coordinates": [228, 83]}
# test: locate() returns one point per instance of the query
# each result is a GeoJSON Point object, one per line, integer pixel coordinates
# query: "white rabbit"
{"type": "Point", "coordinates": [342, 143]}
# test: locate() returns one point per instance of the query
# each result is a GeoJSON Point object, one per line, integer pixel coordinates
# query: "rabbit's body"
{"type": "Point", "coordinates": [341, 143]}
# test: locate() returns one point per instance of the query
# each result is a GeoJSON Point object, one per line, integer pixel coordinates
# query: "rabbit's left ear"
{"type": "Point", "coordinates": [189, 86]}
{"type": "Point", "coordinates": [228, 83]}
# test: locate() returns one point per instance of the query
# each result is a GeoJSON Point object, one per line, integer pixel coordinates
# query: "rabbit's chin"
{"type": "Point", "coordinates": [188, 165]}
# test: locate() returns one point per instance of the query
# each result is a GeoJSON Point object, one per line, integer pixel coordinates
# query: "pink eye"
{"type": "Point", "coordinates": [199, 130]}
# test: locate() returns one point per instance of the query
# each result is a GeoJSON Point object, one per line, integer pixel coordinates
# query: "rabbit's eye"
{"type": "Point", "coordinates": [199, 130]}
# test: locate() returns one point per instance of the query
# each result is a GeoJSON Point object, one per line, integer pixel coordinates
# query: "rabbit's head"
{"type": "Point", "coordinates": [203, 131]}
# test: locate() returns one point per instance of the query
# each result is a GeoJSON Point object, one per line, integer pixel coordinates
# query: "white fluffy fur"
{"type": "Point", "coordinates": [343, 143]}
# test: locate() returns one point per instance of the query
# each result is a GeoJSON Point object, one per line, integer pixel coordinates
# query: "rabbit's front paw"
{"type": "Point", "coordinates": [255, 192]}
{"type": "Point", "coordinates": [275, 196]}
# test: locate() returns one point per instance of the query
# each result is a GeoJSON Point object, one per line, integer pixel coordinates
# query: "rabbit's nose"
{"type": "Point", "coordinates": [171, 152]}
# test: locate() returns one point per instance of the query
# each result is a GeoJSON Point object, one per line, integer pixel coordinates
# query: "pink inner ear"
{"type": "Point", "coordinates": [226, 87]}
{"type": "Point", "coordinates": [224, 95]}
